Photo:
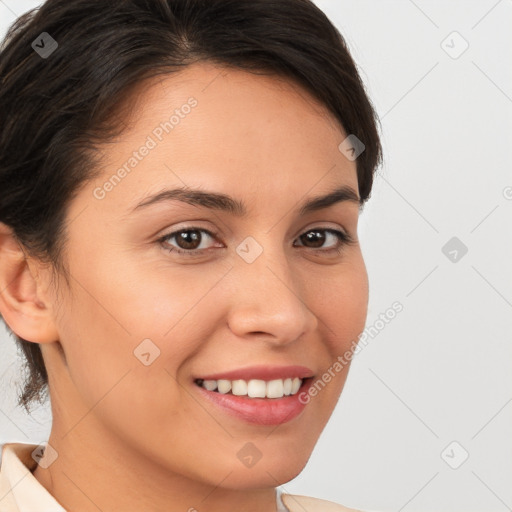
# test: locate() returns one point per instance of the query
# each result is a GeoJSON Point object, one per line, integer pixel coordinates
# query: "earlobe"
{"type": "Point", "coordinates": [23, 304]}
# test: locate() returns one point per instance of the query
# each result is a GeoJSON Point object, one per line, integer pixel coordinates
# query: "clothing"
{"type": "Point", "coordinates": [20, 491]}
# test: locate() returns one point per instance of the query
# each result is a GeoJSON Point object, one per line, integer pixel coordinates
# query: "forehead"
{"type": "Point", "coordinates": [228, 98]}
{"type": "Point", "coordinates": [227, 129]}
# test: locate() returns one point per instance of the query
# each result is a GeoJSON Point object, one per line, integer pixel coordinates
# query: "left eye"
{"type": "Point", "coordinates": [318, 236]}
{"type": "Point", "coordinates": [189, 240]}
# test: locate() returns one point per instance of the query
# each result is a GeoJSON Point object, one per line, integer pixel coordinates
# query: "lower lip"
{"type": "Point", "coordinates": [261, 411]}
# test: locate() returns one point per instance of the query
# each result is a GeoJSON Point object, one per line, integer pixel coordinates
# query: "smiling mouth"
{"type": "Point", "coordinates": [254, 388]}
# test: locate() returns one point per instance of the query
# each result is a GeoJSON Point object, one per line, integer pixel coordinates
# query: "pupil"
{"type": "Point", "coordinates": [316, 237]}
{"type": "Point", "coordinates": [189, 239]}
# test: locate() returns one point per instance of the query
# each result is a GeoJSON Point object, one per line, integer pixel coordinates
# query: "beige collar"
{"type": "Point", "coordinates": [20, 491]}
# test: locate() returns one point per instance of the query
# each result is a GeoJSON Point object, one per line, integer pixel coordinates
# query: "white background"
{"type": "Point", "coordinates": [440, 371]}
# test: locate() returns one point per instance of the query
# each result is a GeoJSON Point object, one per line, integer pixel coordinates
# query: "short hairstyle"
{"type": "Point", "coordinates": [55, 109]}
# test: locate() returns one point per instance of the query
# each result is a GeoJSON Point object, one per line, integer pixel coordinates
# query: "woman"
{"type": "Point", "coordinates": [181, 182]}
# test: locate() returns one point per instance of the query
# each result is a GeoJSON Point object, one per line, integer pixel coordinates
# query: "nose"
{"type": "Point", "coordinates": [268, 302]}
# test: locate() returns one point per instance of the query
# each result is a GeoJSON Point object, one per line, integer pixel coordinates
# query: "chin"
{"type": "Point", "coordinates": [270, 473]}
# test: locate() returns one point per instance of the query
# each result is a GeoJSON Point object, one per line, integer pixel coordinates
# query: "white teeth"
{"type": "Point", "coordinates": [275, 389]}
{"type": "Point", "coordinates": [296, 385]}
{"type": "Point", "coordinates": [255, 388]}
{"type": "Point", "coordinates": [224, 386]}
{"type": "Point", "coordinates": [239, 387]}
{"type": "Point", "coordinates": [287, 387]}
{"type": "Point", "coordinates": [211, 385]}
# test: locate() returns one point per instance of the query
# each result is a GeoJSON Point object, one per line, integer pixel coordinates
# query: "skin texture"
{"type": "Point", "coordinates": [137, 437]}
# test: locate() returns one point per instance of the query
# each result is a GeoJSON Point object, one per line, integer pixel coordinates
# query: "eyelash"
{"type": "Point", "coordinates": [343, 238]}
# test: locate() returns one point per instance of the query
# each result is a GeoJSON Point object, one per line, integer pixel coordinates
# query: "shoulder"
{"type": "Point", "coordinates": [297, 503]}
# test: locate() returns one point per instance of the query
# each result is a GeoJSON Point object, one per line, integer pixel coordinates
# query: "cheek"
{"type": "Point", "coordinates": [130, 393]}
{"type": "Point", "coordinates": [147, 406]}
{"type": "Point", "coordinates": [341, 303]}
{"type": "Point", "coordinates": [124, 306]}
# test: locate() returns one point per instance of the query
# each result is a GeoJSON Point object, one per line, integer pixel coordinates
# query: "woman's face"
{"type": "Point", "coordinates": [253, 296]}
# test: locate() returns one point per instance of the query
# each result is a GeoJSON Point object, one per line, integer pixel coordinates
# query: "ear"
{"type": "Point", "coordinates": [24, 305]}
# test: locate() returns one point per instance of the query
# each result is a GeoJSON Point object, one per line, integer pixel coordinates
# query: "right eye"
{"type": "Point", "coordinates": [189, 240]}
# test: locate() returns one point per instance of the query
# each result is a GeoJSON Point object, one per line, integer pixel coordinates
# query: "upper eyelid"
{"type": "Point", "coordinates": [213, 234]}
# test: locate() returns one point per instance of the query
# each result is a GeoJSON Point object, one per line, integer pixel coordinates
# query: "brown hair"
{"type": "Point", "coordinates": [55, 109]}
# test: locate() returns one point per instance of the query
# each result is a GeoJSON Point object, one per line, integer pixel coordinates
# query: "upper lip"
{"type": "Point", "coordinates": [262, 373]}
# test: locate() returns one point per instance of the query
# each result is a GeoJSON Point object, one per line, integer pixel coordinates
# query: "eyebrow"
{"type": "Point", "coordinates": [236, 207]}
